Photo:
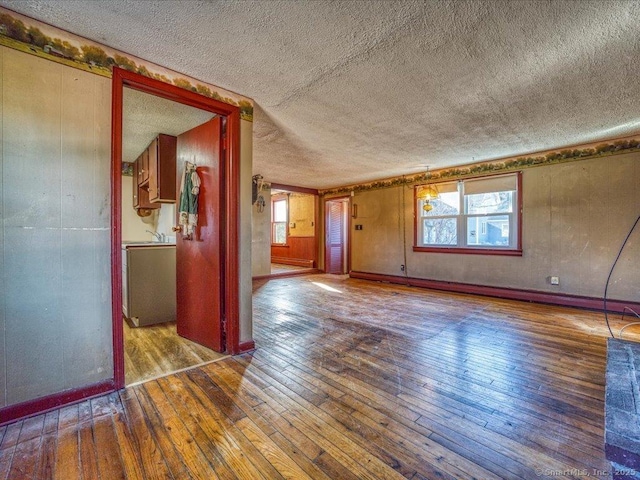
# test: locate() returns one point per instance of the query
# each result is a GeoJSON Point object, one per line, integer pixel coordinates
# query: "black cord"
{"type": "Point", "coordinates": [606, 286]}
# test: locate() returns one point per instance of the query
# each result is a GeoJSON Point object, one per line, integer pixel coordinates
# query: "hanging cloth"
{"type": "Point", "coordinates": [189, 190]}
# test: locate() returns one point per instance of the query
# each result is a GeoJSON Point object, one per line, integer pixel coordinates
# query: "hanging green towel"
{"type": "Point", "coordinates": [188, 208]}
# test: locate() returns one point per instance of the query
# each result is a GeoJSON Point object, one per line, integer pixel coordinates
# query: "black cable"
{"type": "Point", "coordinates": [404, 232]}
{"type": "Point", "coordinates": [606, 286]}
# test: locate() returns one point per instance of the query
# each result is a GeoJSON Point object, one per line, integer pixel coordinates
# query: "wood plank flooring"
{"type": "Point", "coordinates": [351, 380]}
{"type": "Point", "coordinates": [156, 350]}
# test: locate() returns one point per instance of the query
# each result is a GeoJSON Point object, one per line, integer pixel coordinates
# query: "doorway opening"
{"type": "Point", "coordinates": [293, 230]}
{"type": "Point", "coordinates": [209, 138]}
{"type": "Point", "coordinates": [153, 345]}
{"type": "Point", "coordinates": [337, 221]}
{"type": "Point", "coordinates": [286, 223]}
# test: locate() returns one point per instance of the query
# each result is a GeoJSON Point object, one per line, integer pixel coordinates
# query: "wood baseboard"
{"type": "Point", "coordinates": [298, 262]}
{"type": "Point", "coordinates": [287, 274]}
{"type": "Point", "coordinates": [245, 347]}
{"type": "Point", "coordinates": [566, 300]}
{"type": "Point", "coordinates": [50, 402]}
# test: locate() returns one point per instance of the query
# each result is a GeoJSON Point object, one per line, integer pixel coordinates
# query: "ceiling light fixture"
{"type": "Point", "coordinates": [428, 193]}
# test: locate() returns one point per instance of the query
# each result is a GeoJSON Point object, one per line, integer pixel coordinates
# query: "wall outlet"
{"type": "Point", "coordinates": [554, 280]}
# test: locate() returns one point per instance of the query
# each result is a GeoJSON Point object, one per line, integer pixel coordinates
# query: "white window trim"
{"type": "Point", "coordinates": [515, 223]}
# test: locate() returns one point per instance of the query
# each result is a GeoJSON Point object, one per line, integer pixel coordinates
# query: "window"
{"type": "Point", "coordinates": [478, 215]}
{"type": "Point", "coordinates": [279, 214]}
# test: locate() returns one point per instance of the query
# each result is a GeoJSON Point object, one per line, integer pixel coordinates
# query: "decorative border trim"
{"type": "Point", "coordinates": [51, 402]}
{"type": "Point", "coordinates": [504, 165]}
{"type": "Point", "coordinates": [31, 36]}
{"type": "Point", "coordinates": [565, 300]}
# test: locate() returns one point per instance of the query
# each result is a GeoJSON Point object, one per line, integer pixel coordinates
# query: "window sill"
{"type": "Point", "coordinates": [471, 251]}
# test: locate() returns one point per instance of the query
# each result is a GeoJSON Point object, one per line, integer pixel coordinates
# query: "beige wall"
{"type": "Point", "coordinates": [55, 320]}
{"type": "Point", "coordinates": [575, 218]}
{"type": "Point", "coordinates": [261, 237]}
{"type": "Point", "coordinates": [134, 228]}
{"type": "Point", "coordinates": [246, 287]}
{"type": "Point", "coordinates": [166, 220]}
{"type": "Point", "coordinates": [301, 213]}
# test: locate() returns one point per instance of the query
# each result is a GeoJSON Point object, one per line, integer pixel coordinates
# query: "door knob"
{"type": "Point", "coordinates": [176, 229]}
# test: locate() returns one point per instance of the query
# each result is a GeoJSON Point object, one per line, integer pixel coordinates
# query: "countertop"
{"type": "Point", "coordinates": [143, 244]}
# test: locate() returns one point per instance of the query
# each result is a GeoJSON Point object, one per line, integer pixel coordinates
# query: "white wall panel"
{"type": "Point", "coordinates": [3, 372]}
{"type": "Point", "coordinates": [56, 227]}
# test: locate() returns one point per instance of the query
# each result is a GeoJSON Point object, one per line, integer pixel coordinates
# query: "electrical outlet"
{"type": "Point", "coordinates": [554, 280]}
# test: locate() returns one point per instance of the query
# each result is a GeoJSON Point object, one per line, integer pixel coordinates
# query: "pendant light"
{"type": "Point", "coordinates": [428, 193]}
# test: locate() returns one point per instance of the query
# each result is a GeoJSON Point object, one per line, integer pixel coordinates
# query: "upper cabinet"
{"type": "Point", "coordinates": [162, 169]}
{"type": "Point", "coordinates": [140, 192]}
{"type": "Point", "coordinates": [154, 173]}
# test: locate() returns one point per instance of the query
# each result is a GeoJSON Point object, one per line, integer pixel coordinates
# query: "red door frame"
{"type": "Point", "coordinates": [231, 209]}
{"type": "Point", "coordinates": [347, 200]}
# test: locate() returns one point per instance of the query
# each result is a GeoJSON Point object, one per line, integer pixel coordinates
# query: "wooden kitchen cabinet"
{"type": "Point", "coordinates": [140, 192]}
{"type": "Point", "coordinates": [161, 161]}
{"type": "Point", "coordinates": [154, 174]}
{"type": "Point", "coordinates": [143, 172]}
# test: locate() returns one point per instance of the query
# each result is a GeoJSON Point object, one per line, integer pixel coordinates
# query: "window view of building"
{"type": "Point", "coordinates": [475, 213]}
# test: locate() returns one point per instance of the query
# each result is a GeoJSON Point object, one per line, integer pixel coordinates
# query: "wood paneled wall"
{"type": "Point", "coordinates": [299, 251]}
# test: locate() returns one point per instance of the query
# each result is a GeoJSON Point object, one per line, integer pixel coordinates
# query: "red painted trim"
{"type": "Point", "coordinates": [292, 188]}
{"type": "Point", "coordinates": [245, 347]}
{"type": "Point", "coordinates": [513, 252]}
{"type": "Point", "coordinates": [177, 94]}
{"type": "Point", "coordinates": [416, 217]}
{"type": "Point", "coordinates": [122, 78]}
{"type": "Point", "coordinates": [566, 300]}
{"type": "Point", "coordinates": [470, 251]}
{"type": "Point", "coordinates": [520, 212]}
{"type": "Point", "coordinates": [316, 239]}
{"type": "Point", "coordinates": [51, 402]}
{"type": "Point", "coordinates": [116, 226]}
{"type": "Point", "coordinates": [232, 247]}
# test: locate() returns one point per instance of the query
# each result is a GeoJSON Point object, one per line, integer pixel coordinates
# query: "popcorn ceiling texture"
{"type": "Point", "coordinates": [352, 91]}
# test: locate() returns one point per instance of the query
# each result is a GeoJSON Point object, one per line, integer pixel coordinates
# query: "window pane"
{"type": "Point", "coordinates": [440, 231]}
{"type": "Point", "coordinates": [279, 233]}
{"type": "Point", "coordinates": [495, 202]}
{"type": "Point", "coordinates": [490, 231]}
{"type": "Point", "coordinates": [447, 204]}
{"type": "Point", "coordinates": [280, 211]}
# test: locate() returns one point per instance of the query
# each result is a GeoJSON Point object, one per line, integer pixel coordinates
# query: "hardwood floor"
{"type": "Point", "coordinates": [156, 350]}
{"type": "Point", "coordinates": [351, 380]}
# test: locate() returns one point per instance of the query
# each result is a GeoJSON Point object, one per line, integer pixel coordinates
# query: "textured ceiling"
{"type": "Point", "coordinates": [350, 91]}
{"type": "Point", "coordinates": [144, 116]}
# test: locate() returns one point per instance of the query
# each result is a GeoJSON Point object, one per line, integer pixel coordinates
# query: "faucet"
{"type": "Point", "coordinates": [158, 236]}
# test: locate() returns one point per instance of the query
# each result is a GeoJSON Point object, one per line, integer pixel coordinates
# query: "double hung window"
{"type": "Point", "coordinates": [479, 215]}
{"type": "Point", "coordinates": [279, 216]}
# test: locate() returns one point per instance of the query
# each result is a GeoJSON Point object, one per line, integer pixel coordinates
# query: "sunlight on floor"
{"type": "Point", "coordinates": [326, 287]}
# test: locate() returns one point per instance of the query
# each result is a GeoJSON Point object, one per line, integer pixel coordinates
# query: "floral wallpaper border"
{"type": "Point", "coordinates": [604, 149]}
{"type": "Point", "coordinates": [45, 41]}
